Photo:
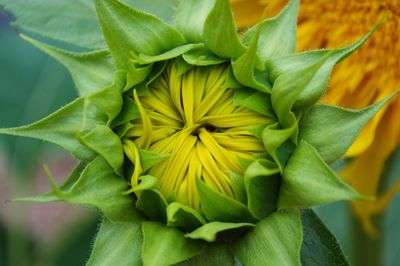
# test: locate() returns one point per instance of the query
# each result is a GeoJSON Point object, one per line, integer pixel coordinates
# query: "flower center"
{"type": "Point", "coordinates": [191, 118]}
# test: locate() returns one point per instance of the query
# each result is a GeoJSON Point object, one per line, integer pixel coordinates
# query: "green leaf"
{"type": "Point", "coordinates": [129, 112]}
{"type": "Point", "coordinates": [202, 57]}
{"type": "Point", "coordinates": [279, 65]}
{"type": "Point", "coordinates": [319, 245]}
{"type": "Point", "coordinates": [319, 64]}
{"type": "Point", "coordinates": [163, 245]}
{"type": "Point", "coordinates": [223, 231]}
{"type": "Point", "coordinates": [307, 181]}
{"type": "Point", "coordinates": [262, 186]}
{"type": "Point", "coordinates": [218, 207]}
{"type": "Point", "coordinates": [190, 18]}
{"type": "Point", "coordinates": [276, 240]}
{"type": "Point", "coordinates": [215, 255]}
{"type": "Point", "coordinates": [219, 32]}
{"type": "Point", "coordinates": [247, 71]}
{"type": "Point", "coordinates": [175, 52]}
{"type": "Point", "coordinates": [106, 143]}
{"type": "Point", "coordinates": [160, 8]}
{"type": "Point", "coordinates": [332, 130]}
{"type": "Point", "coordinates": [62, 126]}
{"type": "Point", "coordinates": [153, 203]}
{"type": "Point", "coordinates": [149, 158]}
{"type": "Point", "coordinates": [254, 100]}
{"type": "Point", "coordinates": [184, 217]}
{"type": "Point", "coordinates": [52, 19]}
{"type": "Point", "coordinates": [238, 187]}
{"type": "Point", "coordinates": [91, 72]}
{"type": "Point", "coordinates": [117, 243]}
{"type": "Point", "coordinates": [278, 34]}
{"type": "Point", "coordinates": [136, 74]}
{"type": "Point", "coordinates": [97, 186]}
{"type": "Point", "coordinates": [127, 29]}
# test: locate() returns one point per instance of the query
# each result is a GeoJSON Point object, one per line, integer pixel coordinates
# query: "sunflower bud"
{"type": "Point", "coordinates": [201, 136]}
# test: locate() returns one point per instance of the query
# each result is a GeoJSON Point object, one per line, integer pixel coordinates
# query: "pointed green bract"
{"type": "Point", "coordinates": [332, 130]}
{"type": "Point", "coordinates": [219, 33]}
{"type": "Point", "coordinates": [211, 231]}
{"type": "Point", "coordinates": [117, 243]}
{"type": "Point", "coordinates": [62, 127]}
{"type": "Point", "coordinates": [216, 255]}
{"type": "Point", "coordinates": [218, 207]}
{"type": "Point", "coordinates": [164, 246]}
{"type": "Point", "coordinates": [103, 141]}
{"type": "Point", "coordinates": [191, 26]}
{"type": "Point", "coordinates": [149, 158]}
{"type": "Point", "coordinates": [184, 217]}
{"type": "Point", "coordinates": [307, 181]}
{"type": "Point", "coordinates": [276, 240]}
{"type": "Point", "coordinates": [254, 100]}
{"type": "Point", "coordinates": [278, 34]}
{"type": "Point", "coordinates": [127, 29]}
{"type": "Point", "coordinates": [280, 65]}
{"type": "Point", "coordinates": [91, 72]}
{"type": "Point", "coordinates": [262, 186]}
{"type": "Point", "coordinates": [248, 70]}
{"type": "Point", "coordinates": [202, 57]}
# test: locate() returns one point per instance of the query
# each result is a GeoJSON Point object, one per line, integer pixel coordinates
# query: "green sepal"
{"type": "Point", "coordinates": [332, 130]}
{"type": "Point", "coordinates": [122, 129]}
{"type": "Point", "coordinates": [153, 204]}
{"type": "Point", "coordinates": [106, 143]}
{"type": "Point", "coordinates": [262, 186]}
{"type": "Point", "coordinates": [97, 186]}
{"type": "Point", "coordinates": [219, 32]}
{"type": "Point", "coordinates": [175, 52]}
{"type": "Point", "coordinates": [62, 126]}
{"type": "Point", "coordinates": [316, 73]}
{"type": "Point", "coordinates": [129, 112]}
{"type": "Point", "coordinates": [202, 57]}
{"type": "Point", "coordinates": [164, 246]}
{"type": "Point", "coordinates": [147, 182]}
{"type": "Point", "coordinates": [307, 181]}
{"type": "Point", "coordinates": [247, 71]}
{"type": "Point", "coordinates": [136, 74]}
{"type": "Point", "coordinates": [274, 137]}
{"type": "Point", "coordinates": [215, 255]}
{"type": "Point", "coordinates": [220, 231]}
{"type": "Point", "coordinates": [150, 158]}
{"type": "Point", "coordinates": [127, 29]}
{"type": "Point", "coordinates": [218, 207]}
{"type": "Point", "coordinates": [238, 187]}
{"type": "Point", "coordinates": [91, 72]}
{"type": "Point", "coordinates": [254, 100]}
{"type": "Point", "coordinates": [277, 34]}
{"type": "Point", "coordinates": [279, 65]}
{"type": "Point", "coordinates": [109, 100]}
{"type": "Point", "coordinates": [184, 217]}
{"type": "Point", "coordinates": [117, 243]}
{"type": "Point", "coordinates": [190, 25]}
{"type": "Point", "coordinates": [319, 245]}
{"type": "Point", "coordinates": [150, 199]}
{"type": "Point", "coordinates": [276, 240]}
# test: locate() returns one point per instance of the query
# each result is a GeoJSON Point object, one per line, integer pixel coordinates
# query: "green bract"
{"type": "Point", "coordinates": [254, 216]}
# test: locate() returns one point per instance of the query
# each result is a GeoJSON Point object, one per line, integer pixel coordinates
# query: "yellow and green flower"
{"type": "Point", "coordinates": [199, 146]}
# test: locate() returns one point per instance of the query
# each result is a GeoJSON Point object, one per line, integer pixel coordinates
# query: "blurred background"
{"type": "Point", "coordinates": [33, 85]}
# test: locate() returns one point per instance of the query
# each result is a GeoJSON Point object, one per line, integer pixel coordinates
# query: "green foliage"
{"type": "Point", "coordinates": [319, 245]}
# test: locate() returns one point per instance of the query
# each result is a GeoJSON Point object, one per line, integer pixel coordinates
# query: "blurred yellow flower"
{"type": "Point", "coordinates": [369, 75]}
